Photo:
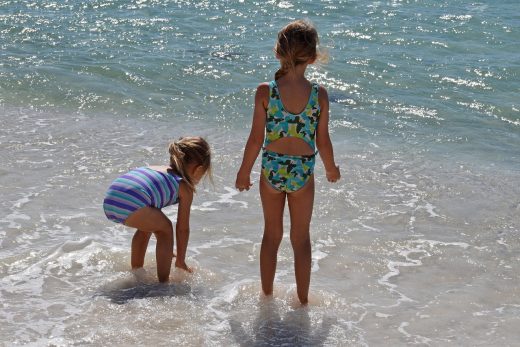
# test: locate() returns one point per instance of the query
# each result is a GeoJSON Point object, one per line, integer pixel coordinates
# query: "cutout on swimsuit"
{"type": "Point", "coordinates": [284, 172]}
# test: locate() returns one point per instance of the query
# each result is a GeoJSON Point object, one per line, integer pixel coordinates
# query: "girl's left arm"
{"type": "Point", "coordinates": [182, 229]}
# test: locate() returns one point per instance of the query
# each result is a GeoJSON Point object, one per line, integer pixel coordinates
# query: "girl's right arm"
{"type": "Point", "coordinates": [256, 138]}
{"type": "Point", "coordinates": [323, 138]}
{"type": "Point", "coordinates": [182, 228]}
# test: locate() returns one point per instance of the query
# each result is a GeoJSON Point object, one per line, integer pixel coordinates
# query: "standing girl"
{"type": "Point", "coordinates": [290, 119]}
{"type": "Point", "coordinates": [136, 198]}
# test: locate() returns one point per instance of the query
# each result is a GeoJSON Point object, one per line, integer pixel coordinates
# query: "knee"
{"type": "Point", "coordinates": [299, 241]}
{"type": "Point", "coordinates": [165, 230]}
{"type": "Point", "coordinates": [273, 238]}
{"type": "Point", "coordinates": [167, 226]}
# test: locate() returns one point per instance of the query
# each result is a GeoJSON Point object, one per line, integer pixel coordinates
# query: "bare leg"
{"type": "Point", "coordinates": [139, 245]}
{"type": "Point", "coordinates": [273, 203]}
{"type": "Point", "coordinates": [152, 220]}
{"type": "Point", "coordinates": [164, 253]}
{"type": "Point", "coordinates": [300, 209]}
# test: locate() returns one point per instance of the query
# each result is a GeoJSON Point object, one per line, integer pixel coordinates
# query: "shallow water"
{"type": "Point", "coordinates": [417, 244]}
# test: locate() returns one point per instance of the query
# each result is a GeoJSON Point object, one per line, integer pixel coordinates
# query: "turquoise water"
{"type": "Point", "coordinates": [446, 72]}
{"type": "Point", "coordinates": [418, 244]}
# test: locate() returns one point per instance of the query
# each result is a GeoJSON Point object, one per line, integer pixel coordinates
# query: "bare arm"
{"type": "Point", "coordinates": [256, 138]}
{"type": "Point", "coordinates": [182, 229]}
{"type": "Point", "coordinates": [323, 139]}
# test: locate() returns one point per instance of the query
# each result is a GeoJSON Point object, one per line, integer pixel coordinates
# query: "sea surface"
{"type": "Point", "coordinates": [418, 244]}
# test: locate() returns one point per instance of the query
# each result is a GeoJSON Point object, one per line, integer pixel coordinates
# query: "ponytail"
{"type": "Point", "coordinates": [284, 69]}
{"type": "Point", "coordinates": [188, 150]}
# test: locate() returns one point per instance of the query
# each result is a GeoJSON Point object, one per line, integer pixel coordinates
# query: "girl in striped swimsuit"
{"type": "Point", "coordinates": [135, 199]}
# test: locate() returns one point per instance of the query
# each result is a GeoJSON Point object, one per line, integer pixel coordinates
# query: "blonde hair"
{"type": "Point", "coordinates": [190, 150]}
{"type": "Point", "coordinates": [297, 44]}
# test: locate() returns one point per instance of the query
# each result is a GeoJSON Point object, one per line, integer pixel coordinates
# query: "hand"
{"type": "Point", "coordinates": [333, 175]}
{"type": "Point", "coordinates": [243, 181]}
{"type": "Point", "coordinates": [182, 265]}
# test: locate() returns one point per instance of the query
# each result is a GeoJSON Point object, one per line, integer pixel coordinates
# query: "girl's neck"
{"type": "Point", "coordinates": [295, 75]}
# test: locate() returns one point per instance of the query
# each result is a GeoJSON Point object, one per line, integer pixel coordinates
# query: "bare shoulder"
{"type": "Point", "coordinates": [322, 92]}
{"type": "Point", "coordinates": [323, 96]}
{"type": "Point", "coordinates": [185, 192]}
{"type": "Point", "coordinates": [262, 90]}
{"type": "Point", "coordinates": [262, 94]}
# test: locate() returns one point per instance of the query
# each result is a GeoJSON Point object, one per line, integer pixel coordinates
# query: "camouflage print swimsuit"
{"type": "Point", "coordinates": [284, 172]}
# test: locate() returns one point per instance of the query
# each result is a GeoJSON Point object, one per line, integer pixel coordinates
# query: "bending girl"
{"type": "Point", "coordinates": [135, 199]}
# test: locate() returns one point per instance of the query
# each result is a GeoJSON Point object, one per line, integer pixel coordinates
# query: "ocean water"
{"type": "Point", "coordinates": [418, 244]}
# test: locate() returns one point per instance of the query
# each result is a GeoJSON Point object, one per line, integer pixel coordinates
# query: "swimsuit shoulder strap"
{"type": "Point", "coordinates": [274, 93]}
{"type": "Point", "coordinates": [314, 94]}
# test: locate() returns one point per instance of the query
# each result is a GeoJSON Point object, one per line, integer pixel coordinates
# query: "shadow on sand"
{"type": "Point", "coordinates": [269, 329]}
{"type": "Point", "coordinates": [141, 291]}
{"type": "Point", "coordinates": [140, 287]}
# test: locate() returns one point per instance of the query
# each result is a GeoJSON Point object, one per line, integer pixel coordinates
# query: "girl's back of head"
{"type": "Point", "coordinates": [190, 150]}
{"type": "Point", "coordinates": [297, 44]}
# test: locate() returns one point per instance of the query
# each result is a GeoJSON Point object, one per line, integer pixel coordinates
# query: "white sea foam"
{"type": "Point", "coordinates": [453, 17]}
{"type": "Point", "coordinates": [465, 82]}
{"type": "Point", "coordinates": [417, 111]}
{"type": "Point", "coordinates": [417, 339]}
{"type": "Point", "coordinates": [225, 200]}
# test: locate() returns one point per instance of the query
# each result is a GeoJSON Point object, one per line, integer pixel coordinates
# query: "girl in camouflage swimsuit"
{"type": "Point", "coordinates": [290, 121]}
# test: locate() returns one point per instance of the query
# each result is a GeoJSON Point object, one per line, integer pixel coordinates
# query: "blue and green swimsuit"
{"type": "Point", "coordinates": [284, 172]}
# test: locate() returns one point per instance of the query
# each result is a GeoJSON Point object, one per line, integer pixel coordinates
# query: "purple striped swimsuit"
{"type": "Point", "coordinates": [139, 188]}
